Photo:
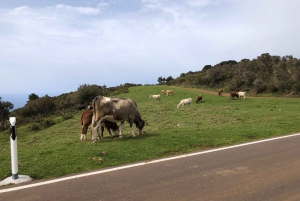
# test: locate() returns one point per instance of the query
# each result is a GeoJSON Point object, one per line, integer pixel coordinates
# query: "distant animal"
{"type": "Point", "coordinates": [220, 92]}
{"type": "Point", "coordinates": [242, 94]}
{"type": "Point", "coordinates": [86, 120]}
{"type": "Point", "coordinates": [199, 98]}
{"type": "Point", "coordinates": [184, 102]}
{"type": "Point", "coordinates": [169, 92]}
{"type": "Point", "coordinates": [81, 107]}
{"type": "Point", "coordinates": [155, 97]}
{"type": "Point", "coordinates": [116, 110]}
{"type": "Point", "coordinates": [233, 95]}
{"type": "Point", "coordinates": [163, 91]}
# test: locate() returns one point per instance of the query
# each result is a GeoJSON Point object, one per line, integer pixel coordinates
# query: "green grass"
{"type": "Point", "coordinates": [215, 122]}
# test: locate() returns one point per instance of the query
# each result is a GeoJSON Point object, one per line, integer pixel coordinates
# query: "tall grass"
{"type": "Point", "coordinates": [215, 122]}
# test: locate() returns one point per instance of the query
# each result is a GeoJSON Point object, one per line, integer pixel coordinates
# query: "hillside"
{"type": "Point", "coordinates": [266, 74]}
{"type": "Point", "coordinates": [52, 147]}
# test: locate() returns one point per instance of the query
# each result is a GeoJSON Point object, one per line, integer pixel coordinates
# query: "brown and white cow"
{"type": "Point", "coordinates": [220, 92]}
{"type": "Point", "coordinates": [233, 95]}
{"type": "Point", "coordinates": [169, 92]}
{"type": "Point", "coordinates": [116, 110]}
{"type": "Point", "coordinates": [86, 120]}
{"type": "Point", "coordinates": [199, 98]}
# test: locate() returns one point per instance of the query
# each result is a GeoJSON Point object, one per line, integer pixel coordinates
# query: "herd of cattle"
{"type": "Point", "coordinates": [105, 112]}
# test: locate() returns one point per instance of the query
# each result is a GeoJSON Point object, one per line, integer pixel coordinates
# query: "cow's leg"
{"type": "Point", "coordinates": [100, 136]}
{"type": "Point", "coordinates": [95, 130]}
{"type": "Point", "coordinates": [121, 129]}
{"type": "Point", "coordinates": [83, 132]}
{"type": "Point", "coordinates": [132, 131]}
{"type": "Point", "coordinates": [108, 129]}
{"type": "Point", "coordinates": [131, 128]}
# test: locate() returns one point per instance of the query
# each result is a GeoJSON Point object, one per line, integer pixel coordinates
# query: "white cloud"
{"type": "Point", "coordinates": [80, 10]}
{"type": "Point", "coordinates": [200, 3]}
{"type": "Point", "coordinates": [60, 46]}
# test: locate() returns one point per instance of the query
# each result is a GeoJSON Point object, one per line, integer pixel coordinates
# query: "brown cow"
{"type": "Point", "coordinates": [169, 92]}
{"type": "Point", "coordinates": [199, 98]}
{"type": "Point", "coordinates": [163, 91]}
{"type": "Point", "coordinates": [220, 92]}
{"type": "Point", "coordinates": [86, 120]}
{"type": "Point", "coordinates": [233, 94]}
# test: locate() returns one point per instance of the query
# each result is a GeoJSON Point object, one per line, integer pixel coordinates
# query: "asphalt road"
{"type": "Point", "coordinates": [269, 170]}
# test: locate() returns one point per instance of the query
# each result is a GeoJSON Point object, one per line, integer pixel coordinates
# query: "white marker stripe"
{"type": "Point", "coordinates": [140, 164]}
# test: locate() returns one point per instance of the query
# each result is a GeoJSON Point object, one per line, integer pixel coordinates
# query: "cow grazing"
{"type": "Point", "coordinates": [155, 97]}
{"type": "Point", "coordinates": [233, 94]}
{"type": "Point", "coordinates": [242, 94]}
{"type": "Point", "coordinates": [163, 91]}
{"type": "Point", "coordinates": [184, 102]}
{"type": "Point", "coordinates": [115, 110]}
{"type": "Point", "coordinates": [81, 107]}
{"type": "Point", "coordinates": [199, 98]}
{"type": "Point", "coordinates": [169, 92]}
{"type": "Point", "coordinates": [86, 120]}
{"type": "Point", "coordinates": [220, 92]}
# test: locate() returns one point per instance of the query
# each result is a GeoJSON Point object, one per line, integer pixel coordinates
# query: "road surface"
{"type": "Point", "coordinates": [267, 170]}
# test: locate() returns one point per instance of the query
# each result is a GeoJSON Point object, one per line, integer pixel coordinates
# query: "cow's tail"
{"type": "Point", "coordinates": [95, 101]}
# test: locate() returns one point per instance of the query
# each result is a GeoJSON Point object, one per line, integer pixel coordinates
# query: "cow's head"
{"type": "Point", "coordinates": [140, 125]}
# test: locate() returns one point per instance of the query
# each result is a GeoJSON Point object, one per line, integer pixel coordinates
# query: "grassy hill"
{"type": "Point", "coordinates": [215, 122]}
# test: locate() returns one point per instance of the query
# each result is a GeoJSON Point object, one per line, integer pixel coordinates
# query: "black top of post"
{"type": "Point", "coordinates": [12, 121]}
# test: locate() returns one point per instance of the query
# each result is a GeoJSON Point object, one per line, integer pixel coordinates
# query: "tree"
{"type": "Point", "coordinates": [206, 67]}
{"type": "Point", "coordinates": [5, 106]}
{"type": "Point", "coordinates": [32, 96]}
{"type": "Point", "coordinates": [169, 79]}
{"type": "Point", "coordinates": [86, 93]}
{"type": "Point", "coordinates": [161, 80]}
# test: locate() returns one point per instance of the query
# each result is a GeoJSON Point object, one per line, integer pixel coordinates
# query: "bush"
{"type": "Point", "coordinates": [67, 116]}
{"type": "Point", "coordinates": [34, 127]}
{"type": "Point", "coordinates": [47, 122]}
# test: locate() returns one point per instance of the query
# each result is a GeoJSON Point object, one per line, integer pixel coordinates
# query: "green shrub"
{"type": "Point", "coordinates": [47, 122]}
{"type": "Point", "coordinates": [34, 127]}
{"type": "Point", "coordinates": [67, 116]}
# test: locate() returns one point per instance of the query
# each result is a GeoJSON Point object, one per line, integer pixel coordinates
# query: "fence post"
{"type": "Point", "coordinates": [14, 148]}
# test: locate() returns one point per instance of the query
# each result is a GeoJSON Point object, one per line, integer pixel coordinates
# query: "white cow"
{"type": "Point", "coordinates": [184, 102]}
{"type": "Point", "coordinates": [155, 97]}
{"type": "Point", "coordinates": [242, 94]}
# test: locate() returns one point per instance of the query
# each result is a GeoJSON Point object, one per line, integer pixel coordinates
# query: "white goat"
{"type": "Point", "coordinates": [184, 102]}
{"type": "Point", "coordinates": [155, 97]}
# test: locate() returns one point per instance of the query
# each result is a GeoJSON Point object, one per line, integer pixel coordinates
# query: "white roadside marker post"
{"type": "Point", "coordinates": [15, 178]}
{"type": "Point", "coordinates": [14, 148]}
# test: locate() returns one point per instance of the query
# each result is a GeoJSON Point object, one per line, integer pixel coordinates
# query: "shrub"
{"type": "Point", "coordinates": [47, 122]}
{"type": "Point", "coordinates": [67, 116]}
{"type": "Point", "coordinates": [34, 127]}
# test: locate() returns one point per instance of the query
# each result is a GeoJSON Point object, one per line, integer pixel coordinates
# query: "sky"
{"type": "Point", "coordinates": [54, 46]}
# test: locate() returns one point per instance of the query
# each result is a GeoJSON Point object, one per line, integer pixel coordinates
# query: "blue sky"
{"type": "Point", "coordinates": [53, 47]}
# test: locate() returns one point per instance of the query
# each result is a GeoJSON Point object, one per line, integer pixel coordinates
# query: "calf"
{"type": "Point", "coordinates": [184, 102]}
{"type": "Point", "coordinates": [163, 91]}
{"type": "Point", "coordinates": [86, 120]}
{"type": "Point", "coordinates": [199, 98]}
{"type": "Point", "coordinates": [220, 92]}
{"type": "Point", "coordinates": [155, 97]}
{"type": "Point", "coordinates": [233, 94]}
